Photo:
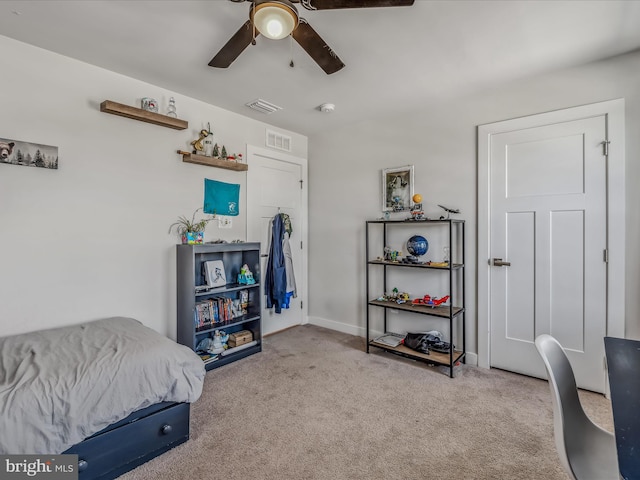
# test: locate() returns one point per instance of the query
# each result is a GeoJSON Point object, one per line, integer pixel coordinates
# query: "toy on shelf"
{"type": "Point", "coordinates": [245, 277]}
{"type": "Point", "coordinates": [449, 211]}
{"type": "Point", "coordinates": [429, 301]}
{"type": "Point", "coordinates": [391, 255]}
{"type": "Point", "coordinates": [395, 296]}
{"type": "Point", "coordinates": [219, 342]}
{"type": "Point", "coordinates": [416, 210]}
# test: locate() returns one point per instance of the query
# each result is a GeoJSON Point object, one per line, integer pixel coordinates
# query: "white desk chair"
{"type": "Point", "coordinates": [587, 452]}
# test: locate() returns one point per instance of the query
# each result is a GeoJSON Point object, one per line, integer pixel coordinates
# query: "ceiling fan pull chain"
{"type": "Point", "coordinates": [253, 25]}
{"type": "Point", "coordinates": [291, 64]}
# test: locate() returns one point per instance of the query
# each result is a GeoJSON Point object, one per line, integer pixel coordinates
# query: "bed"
{"type": "Point", "coordinates": [112, 391]}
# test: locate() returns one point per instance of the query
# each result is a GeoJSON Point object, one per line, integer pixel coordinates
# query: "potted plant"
{"type": "Point", "coordinates": [190, 230]}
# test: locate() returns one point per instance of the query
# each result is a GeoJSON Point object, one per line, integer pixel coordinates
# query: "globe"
{"type": "Point", "coordinates": [417, 245]}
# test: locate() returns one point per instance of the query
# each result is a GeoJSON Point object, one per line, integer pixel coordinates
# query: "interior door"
{"type": "Point", "coordinates": [548, 241]}
{"type": "Point", "coordinates": [275, 186]}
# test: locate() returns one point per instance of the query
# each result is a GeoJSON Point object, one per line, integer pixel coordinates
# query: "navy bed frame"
{"type": "Point", "coordinates": [124, 445]}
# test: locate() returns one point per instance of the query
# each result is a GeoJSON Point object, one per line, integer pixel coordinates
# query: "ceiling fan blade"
{"type": "Point", "coordinates": [334, 4]}
{"type": "Point", "coordinates": [317, 48]}
{"type": "Point", "coordinates": [234, 47]}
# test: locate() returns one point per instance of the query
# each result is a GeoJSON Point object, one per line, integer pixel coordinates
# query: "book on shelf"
{"type": "Point", "coordinates": [220, 308]}
{"type": "Point", "coordinates": [207, 357]}
{"type": "Point", "coordinates": [203, 314]}
{"type": "Point", "coordinates": [212, 311]}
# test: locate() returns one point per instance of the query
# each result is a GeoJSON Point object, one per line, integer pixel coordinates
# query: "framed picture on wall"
{"type": "Point", "coordinates": [27, 154]}
{"type": "Point", "coordinates": [397, 188]}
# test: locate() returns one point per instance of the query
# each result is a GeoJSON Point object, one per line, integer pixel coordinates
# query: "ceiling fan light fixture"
{"type": "Point", "coordinates": [275, 19]}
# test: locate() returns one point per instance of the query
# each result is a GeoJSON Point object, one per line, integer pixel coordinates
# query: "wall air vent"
{"type": "Point", "coordinates": [263, 106]}
{"type": "Point", "coordinates": [278, 141]}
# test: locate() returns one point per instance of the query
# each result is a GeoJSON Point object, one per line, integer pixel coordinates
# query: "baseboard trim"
{"type": "Point", "coordinates": [338, 326]}
{"type": "Point", "coordinates": [472, 359]}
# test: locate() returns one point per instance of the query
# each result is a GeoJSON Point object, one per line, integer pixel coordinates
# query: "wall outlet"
{"type": "Point", "coordinates": [224, 222]}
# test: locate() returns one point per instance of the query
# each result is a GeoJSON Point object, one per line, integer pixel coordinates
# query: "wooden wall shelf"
{"type": "Point", "coordinates": [212, 162]}
{"type": "Point", "coordinates": [116, 108]}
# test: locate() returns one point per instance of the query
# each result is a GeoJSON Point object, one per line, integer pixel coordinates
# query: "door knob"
{"type": "Point", "coordinates": [497, 262]}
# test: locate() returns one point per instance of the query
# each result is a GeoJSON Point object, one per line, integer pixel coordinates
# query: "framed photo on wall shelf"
{"type": "Point", "coordinates": [397, 188]}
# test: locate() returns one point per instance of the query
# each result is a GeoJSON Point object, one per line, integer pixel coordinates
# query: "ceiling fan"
{"type": "Point", "coordinates": [278, 19]}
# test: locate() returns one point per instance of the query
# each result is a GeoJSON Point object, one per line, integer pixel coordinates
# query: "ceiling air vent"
{"type": "Point", "coordinates": [263, 106]}
{"type": "Point", "coordinates": [279, 141]}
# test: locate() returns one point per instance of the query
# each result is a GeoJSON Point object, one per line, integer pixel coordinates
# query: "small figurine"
{"type": "Point", "coordinates": [216, 151]}
{"type": "Point", "coordinates": [391, 255]}
{"type": "Point", "coordinates": [171, 109]}
{"type": "Point", "coordinates": [197, 144]}
{"type": "Point", "coordinates": [245, 277]}
{"type": "Point", "coordinates": [219, 342]}
{"type": "Point", "coordinates": [416, 210]}
{"type": "Point", "coordinates": [223, 154]}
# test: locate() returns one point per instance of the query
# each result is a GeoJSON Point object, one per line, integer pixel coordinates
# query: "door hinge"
{"type": "Point", "coordinates": [300, 304]}
{"type": "Point", "coordinates": [300, 244]}
{"type": "Point", "coordinates": [605, 148]}
{"type": "Point", "coordinates": [300, 184]}
{"type": "Point", "coordinates": [605, 255]}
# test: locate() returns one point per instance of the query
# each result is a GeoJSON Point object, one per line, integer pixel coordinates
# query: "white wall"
{"type": "Point", "coordinates": [90, 240]}
{"type": "Point", "coordinates": [440, 140]}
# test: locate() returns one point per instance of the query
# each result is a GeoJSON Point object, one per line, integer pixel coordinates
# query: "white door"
{"type": "Point", "coordinates": [275, 184]}
{"type": "Point", "coordinates": [549, 223]}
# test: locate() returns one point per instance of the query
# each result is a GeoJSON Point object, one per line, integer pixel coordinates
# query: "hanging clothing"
{"type": "Point", "coordinates": [287, 223]}
{"type": "Point", "coordinates": [288, 266]}
{"type": "Point", "coordinates": [275, 286]}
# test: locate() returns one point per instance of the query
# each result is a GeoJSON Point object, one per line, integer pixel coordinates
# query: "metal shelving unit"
{"type": "Point", "coordinates": [454, 313]}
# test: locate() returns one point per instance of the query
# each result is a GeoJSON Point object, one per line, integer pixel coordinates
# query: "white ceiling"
{"type": "Point", "coordinates": [397, 59]}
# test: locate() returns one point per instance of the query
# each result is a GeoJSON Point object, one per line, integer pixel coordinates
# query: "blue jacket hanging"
{"type": "Point", "coordinates": [275, 286]}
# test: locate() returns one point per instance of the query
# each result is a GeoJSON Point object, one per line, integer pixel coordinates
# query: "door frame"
{"type": "Point", "coordinates": [301, 283]}
{"type": "Point", "coordinates": [614, 112]}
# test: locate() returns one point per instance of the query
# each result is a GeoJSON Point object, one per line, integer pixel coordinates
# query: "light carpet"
{"type": "Point", "coordinates": [315, 405]}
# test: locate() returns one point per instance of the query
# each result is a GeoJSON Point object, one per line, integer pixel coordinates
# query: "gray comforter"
{"type": "Point", "coordinates": [59, 386]}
